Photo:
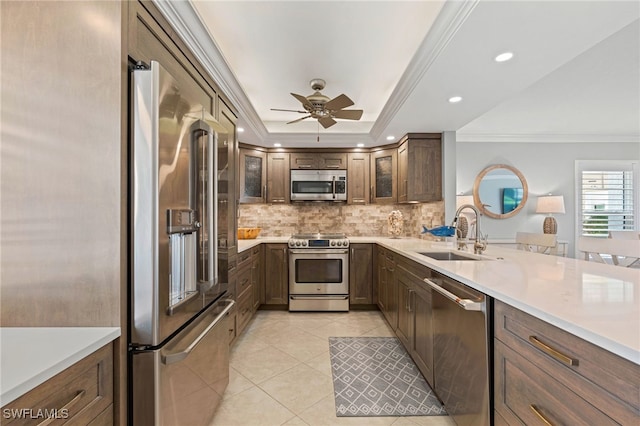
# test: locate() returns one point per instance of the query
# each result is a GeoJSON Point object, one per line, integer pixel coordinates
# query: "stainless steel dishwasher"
{"type": "Point", "coordinates": [461, 350]}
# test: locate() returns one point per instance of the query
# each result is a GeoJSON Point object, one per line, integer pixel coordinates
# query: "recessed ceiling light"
{"type": "Point", "coordinates": [455, 99]}
{"type": "Point", "coordinates": [503, 57]}
{"type": "Point", "coordinates": [240, 129]}
{"type": "Point", "coordinates": [277, 145]}
{"type": "Point", "coordinates": [360, 145]}
{"type": "Point", "coordinates": [390, 137]}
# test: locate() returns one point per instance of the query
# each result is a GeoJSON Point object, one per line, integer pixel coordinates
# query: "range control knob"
{"type": "Point", "coordinates": [304, 244]}
{"type": "Point", "coordinates": [333, 243]}
{"type": "Point", "coordinates": [297, 243]}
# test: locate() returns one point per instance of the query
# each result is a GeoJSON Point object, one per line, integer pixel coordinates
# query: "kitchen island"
{"type": "Point", "coordinates": [598, 303]}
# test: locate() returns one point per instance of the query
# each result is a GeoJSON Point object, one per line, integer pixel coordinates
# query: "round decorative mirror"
{"type": "Point", "coordinates": [500, 191]}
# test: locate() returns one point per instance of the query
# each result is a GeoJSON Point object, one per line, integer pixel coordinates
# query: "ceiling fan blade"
{"type": "Point", "coordinates": [339, 102]}
{"type": "Point", "coordinates": [304, 101]}
{"type": "Point", "coordinates": [299, 119]}
{"type": "Point", "coordinates": [327, 122]}
{"type": "Point", "coordinates": [288, 110]}
{"type": "Point", "coordinates": [348, 114]}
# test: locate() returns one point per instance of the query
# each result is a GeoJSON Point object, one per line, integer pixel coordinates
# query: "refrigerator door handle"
{"type": "Point", "coordinates": [171, 358]}
{"type": "Point", "coordinates": [204, 195]}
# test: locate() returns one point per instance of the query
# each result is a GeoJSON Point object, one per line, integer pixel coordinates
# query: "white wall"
{"type": "Point", "coordinates": [547, 167]}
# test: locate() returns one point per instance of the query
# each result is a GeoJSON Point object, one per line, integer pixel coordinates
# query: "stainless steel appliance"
{"type": "Point", "coordinates": [319, 272]}
{"type": "Point", "coordinates": [318, 185]}
{"type": "Point", "coordinates": [462, 368]}
{"type": "Point", "coordinates": [178, 346]}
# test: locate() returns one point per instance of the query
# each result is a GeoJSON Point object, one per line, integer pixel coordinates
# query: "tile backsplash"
{"type": "Point", "coordinates": [277, 220]}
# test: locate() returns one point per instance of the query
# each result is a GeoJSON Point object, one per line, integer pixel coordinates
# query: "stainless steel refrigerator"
{"type": "Point", "coordinates": [179, 317]}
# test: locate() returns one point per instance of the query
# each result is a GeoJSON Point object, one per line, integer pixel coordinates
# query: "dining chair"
{"type": "Point", "coordinates": [623, 252]}
{"type": "Point", "coordinates": [537, 243]}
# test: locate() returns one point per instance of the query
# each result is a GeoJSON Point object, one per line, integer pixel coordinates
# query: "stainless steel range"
{"type": "Point", "coordinates": [319, 272]}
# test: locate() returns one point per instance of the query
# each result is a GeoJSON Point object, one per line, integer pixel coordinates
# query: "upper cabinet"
{"type": "Point", "coordinates": [318, 160]}
{"type": "Point", "coordinates": [278, 178]}
{"type": "Point", "coordinates": [384, 176]}
{"type": "Point", "coordinates": [253, 176]}
{"type": "Point", "coordinates": [420, 168]}
{"type": "Point", "coordinates": [358, 178]}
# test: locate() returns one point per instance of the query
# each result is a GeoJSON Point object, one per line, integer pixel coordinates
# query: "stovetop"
{"type": "Point", "coordinates": [318, 240]}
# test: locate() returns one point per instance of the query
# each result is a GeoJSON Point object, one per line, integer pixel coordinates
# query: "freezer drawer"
{"type": "Point", "coordinates": [182, 382]}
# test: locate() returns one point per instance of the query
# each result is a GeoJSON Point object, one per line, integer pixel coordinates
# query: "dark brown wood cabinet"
{"type": "Point", "coordinates": [387, 287]}
{"type": "Point", "coordinates": [84, 389]}
{"type": "Point", "coordinates": [318, 160]}
{"type": "Point", "coordinates": [420, 168]}
{"type": "Point", "coordinates": [543, 372]}
{"type": "Point", "coordinates": [278, 178]}
{"type": "Point", "coordinates": [358, 188]}
{"type": "Point", "coordinates": [361, 274]}
{"type": "Point", "coordinates": [384, 176]}
{"type": "Point", "coordinates": [253, 175]}
{"type": "Point", "coordinates": [276, 274]}
{"type": "Point", "coordinates": [256, 275]}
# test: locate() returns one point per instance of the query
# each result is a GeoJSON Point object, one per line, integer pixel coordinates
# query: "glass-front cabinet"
{"type": "Point", "coordinates": [384, 177]}
{"type": "Point", "coordinates": [253, 175]}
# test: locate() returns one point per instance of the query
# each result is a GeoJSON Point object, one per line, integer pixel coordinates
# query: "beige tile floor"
{"type": "Point", "coordinates": [281, 375]}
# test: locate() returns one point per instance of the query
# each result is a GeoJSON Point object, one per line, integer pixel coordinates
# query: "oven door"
{"type": "Point", "coordinates": [318, 271]}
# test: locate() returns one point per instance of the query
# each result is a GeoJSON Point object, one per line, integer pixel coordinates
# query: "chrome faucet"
{"type": "Point", "coordinates": [480, 243]}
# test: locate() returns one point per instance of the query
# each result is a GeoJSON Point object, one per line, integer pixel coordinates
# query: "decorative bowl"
{"type": "Point", "coordinates": [248, 233]}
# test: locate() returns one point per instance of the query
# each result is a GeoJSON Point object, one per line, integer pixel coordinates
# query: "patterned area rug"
{"type": "Point", "coordinates": [375, 376]}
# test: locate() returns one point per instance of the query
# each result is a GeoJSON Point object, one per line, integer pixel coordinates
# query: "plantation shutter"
{"type": "Point", "coordinates": [607, 201]}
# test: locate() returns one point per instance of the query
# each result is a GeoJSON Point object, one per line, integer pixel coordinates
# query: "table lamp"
{"type": "Point", "coordinates": [550, 204]}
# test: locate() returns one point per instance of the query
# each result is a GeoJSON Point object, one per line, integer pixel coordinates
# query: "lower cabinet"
{"type": "Point", "coordinates": [276, 274]}
{"type": "Point", "coordinates": [256, 275]}
{"type": "Point", "coordinates": [386, 282]}
{"type": "Point", "coordinates": [415, 315]}
{"type": "Point", "coordinates": [361, 274]}
{"type": "Point", "coordinates": [82, 394]}
{"type": "Point", "coordinates": [544, 375]}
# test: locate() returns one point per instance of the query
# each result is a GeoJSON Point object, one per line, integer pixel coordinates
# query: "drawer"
{"type": "Point", "coordinates": [244, 280]}
{"type": "Point", "coordinates": [244, 258]}
{"type": "Point", "coordinates": [76, 395]}
{"type": "Point", "coordinates": [597, 375]}
{"type": "Point", "coordinates": [524, 394]}
{"type": "Point", "coordinates": [245, 311]}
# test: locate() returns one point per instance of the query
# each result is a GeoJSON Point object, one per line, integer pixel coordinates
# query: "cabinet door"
{"type": "Point", "coordinates": [361, 274]}
{"type": "Point", "coordinates": [422, 348]}
{"type": "Point", "coordinates": [358, 188]}
{"type": "Point", "coordinates": [420, 168]}
{"type": "Point", "coordinates": [381, 279]}
{"type": "Point", "coordinates": [385, 176]}
{"type": "Point", "coordinates": [276, 289]}
{"type": "Point", "coordinates": [404, 330]}
{"type": "Point", "coordinates": [392, 291]}
{"type": "Point", "coordinates": [332, 160]}
{"type": "Point", "coordinates": [256, 275]}
{"type": "Point", "coordinates": [403, 168]}
{"type": "Point", "coordinates": [227, 205]}
{"type": "Point", "coordinates": [278, 176]}
{"type": "Point", "coordinates": [304, 160]}
{"type": "Point", "coordinates": [253, 176]}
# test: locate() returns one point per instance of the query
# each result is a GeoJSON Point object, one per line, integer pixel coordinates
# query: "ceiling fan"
{"type": "Point", "coordinates": [322, 108]}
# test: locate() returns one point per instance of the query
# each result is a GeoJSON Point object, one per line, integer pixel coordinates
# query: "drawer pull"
{"type": "Point", "coordinates": [552, 352]}
{"type": "Point", "coordinates": [540, 415]}
{"type": "Point", "coordinates": [68, 405]}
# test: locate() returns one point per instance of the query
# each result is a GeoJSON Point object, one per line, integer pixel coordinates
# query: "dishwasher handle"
{"type": "Point", "coordinates": [466, 304]}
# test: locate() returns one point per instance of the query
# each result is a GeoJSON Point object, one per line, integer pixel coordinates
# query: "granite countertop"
{"type": "Point", "coordinates": [596, 302]}
{"type": "Point", "coordinates": [29, 356]}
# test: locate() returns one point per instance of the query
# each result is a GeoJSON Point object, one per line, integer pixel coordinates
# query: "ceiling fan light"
{"type": "Point", "coordinates": [504, 57]}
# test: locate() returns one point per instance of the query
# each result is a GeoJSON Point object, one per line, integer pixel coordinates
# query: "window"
{"type": "Point", "coordinates": [607, 197]}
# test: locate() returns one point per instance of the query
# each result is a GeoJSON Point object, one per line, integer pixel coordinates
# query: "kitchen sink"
{"type": "Point", "coordinates": [446, 255]}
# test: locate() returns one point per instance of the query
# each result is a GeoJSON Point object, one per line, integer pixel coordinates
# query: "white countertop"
{"type": "Point", "coordinates": [29, 356]}
{"type": "Point", "coordinates": [599, 303]}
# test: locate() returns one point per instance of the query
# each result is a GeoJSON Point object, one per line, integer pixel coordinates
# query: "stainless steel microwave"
{"type": "Point", "coordinates": [318, 185]}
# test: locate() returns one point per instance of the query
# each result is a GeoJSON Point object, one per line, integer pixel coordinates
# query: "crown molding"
{"type": "Point", "coordinates": [445, 26]}
{"type": "Point", "coordinates": [548, 137]}
{"type": "Point", "coordinates": [328, 140]}
{"type": "Point", "coordinates": [187, 23]}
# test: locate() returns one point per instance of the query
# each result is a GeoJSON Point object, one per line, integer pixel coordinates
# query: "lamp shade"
{"type": "Point", "coordinates": [550, 204]}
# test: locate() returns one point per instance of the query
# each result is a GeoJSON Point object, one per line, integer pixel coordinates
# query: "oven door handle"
{"type": "Point", "coordinates": [319, 251]}
{"type": "Point", "coordinates": [318, 297]}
